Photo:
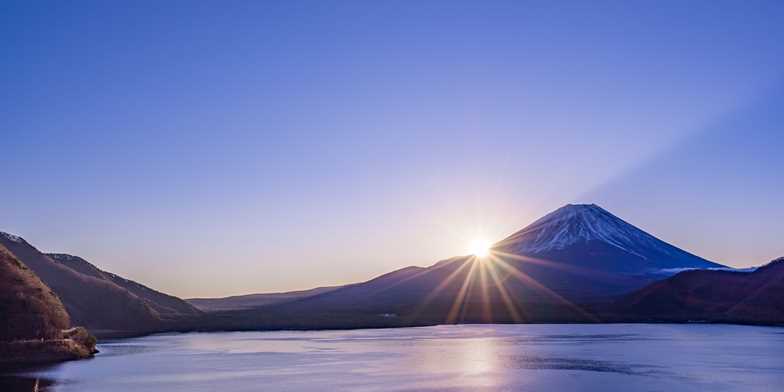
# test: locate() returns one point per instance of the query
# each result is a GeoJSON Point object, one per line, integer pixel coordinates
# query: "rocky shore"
{"type": "Point", "coordinates": [76, 343]}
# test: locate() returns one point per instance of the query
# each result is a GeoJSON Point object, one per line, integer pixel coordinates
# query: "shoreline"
{"type": "Point", "coordinates": [103, 338]}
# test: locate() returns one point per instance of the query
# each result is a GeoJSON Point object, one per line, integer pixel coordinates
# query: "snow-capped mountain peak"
{"type": "Point", "coordinates": [584, 223]}
{"type": "Point", "coordinates": [11, 237]}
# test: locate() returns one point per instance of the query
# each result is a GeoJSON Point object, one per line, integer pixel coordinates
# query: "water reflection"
{"type": "Point", "coordinates": [463, 358]}
{"type": "Point", "coordinates": [479, 356]}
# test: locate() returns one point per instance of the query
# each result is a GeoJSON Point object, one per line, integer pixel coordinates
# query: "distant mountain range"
{"type": "Point", "coordinates": [579, 263]}
{"type": "Point", "coordinates": [250, 301]}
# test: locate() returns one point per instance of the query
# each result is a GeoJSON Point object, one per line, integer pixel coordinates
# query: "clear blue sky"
{"type": "Point", "coordinates": [216, 148]}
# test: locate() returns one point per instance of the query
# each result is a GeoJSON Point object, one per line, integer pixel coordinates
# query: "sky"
{"type": "Point", "coordinates": [221, 148]}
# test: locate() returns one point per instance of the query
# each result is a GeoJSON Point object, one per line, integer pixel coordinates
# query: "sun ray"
{"type": "Point", "coordinates": [525, 278]}
{"type": "Point", "coordinates": [458, 302]}
{"type": "Point", "coordinates": [472, 287]}
{"type": "Point", "coordinates": [545, 262]}
{"type": "Point", "coordinates": [407, 278]}
{"type": "Point", "coordinates": [424, 271]}
{"type": "Point", "coordinates": [487, 308]}
{"type": "Point", "coordinates": [505, 297]}
{"type": "Point", "coordinates": [426, 301]}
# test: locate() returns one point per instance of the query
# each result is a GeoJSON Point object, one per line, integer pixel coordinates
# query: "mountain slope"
{"type": "Point", "coordinates": [721, 296]}
{"type": "Point", "coordinates": [167, 306]}
{"type": "Point", "coordinates": [99, 304]}
{"type": "Point", "coordinates": [33, 326]}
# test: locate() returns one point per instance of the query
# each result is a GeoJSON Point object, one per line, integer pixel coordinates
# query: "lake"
{"type": "Point", "coordinates": [627, 357]}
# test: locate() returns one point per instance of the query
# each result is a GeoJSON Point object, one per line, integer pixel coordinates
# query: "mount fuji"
{"type": "Point", "coordinates": [589, 236]}
{"type": "Point", "coordinates": [584, 252]}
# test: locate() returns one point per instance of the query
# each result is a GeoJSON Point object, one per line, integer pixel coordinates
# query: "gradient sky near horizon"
{"type": "Point", "coordinates": [220, 148]}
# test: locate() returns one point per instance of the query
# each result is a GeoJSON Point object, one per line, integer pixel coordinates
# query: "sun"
{"type": "Point", "coordinates": [480, 248]}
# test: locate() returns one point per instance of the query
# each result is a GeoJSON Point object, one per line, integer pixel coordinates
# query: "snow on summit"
{"type": "Point", "coordinates": [11, 237]}
{"type": "Point", "coordinates": [576, 224]}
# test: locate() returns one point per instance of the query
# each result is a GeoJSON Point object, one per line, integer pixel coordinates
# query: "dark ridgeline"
{"type": "Point", "coordinates": [250, 301]}
{"type": "Point", "coordinates": [35, 326]}
{"type": "Point", "coordinates": [106, 304]}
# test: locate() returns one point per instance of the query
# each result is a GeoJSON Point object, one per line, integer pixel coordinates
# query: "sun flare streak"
{"type": "Point", "coordinates": [441, 286]}
{"type": "Point", "coordinates": [461, 295]}
{"type": "Point", "coordinates": [505, 297]}
{"type": "Point", "coordinates": [524, 278]}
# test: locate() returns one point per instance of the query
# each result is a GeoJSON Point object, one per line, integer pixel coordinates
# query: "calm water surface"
{"type": "Point", "coordinates": [443, 358]}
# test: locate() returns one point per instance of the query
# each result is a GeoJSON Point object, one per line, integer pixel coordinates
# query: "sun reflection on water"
{"type": "Point", "coordinates": [479, 356]}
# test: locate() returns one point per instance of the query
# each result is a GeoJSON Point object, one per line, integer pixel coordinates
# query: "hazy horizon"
{"type": "Point", "coordinates": [214, 150]}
